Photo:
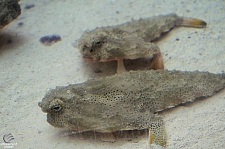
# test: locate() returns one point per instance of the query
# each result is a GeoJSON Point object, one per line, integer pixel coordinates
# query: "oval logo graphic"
{"type": "Point", "coordinates": [8, 137]}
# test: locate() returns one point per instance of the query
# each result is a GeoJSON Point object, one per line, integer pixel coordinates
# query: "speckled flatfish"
{"type": "Point", "coordinates": [127, 101]}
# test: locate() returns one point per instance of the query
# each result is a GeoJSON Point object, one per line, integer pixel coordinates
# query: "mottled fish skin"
{"type": "Point", "coordinates": [126, 101]}
{"type": "Point", "coordinates": [130, 40]}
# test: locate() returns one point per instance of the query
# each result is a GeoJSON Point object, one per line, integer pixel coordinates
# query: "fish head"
{"type": "Point", "coordinates": [93, 45]}
{"type": "Point", "coordinates": [55, 107]}
{"type": "Point", "coordinates": [62, 108]}
{"type": "Point", "coordinates": [87, 106]}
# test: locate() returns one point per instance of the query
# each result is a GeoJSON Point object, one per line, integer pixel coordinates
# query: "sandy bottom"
{"type": "Point", "coordinates": [28, 69]}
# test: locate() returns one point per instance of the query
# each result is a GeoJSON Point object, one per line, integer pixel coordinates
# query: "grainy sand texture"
{"type": "Point", "coordinates": [28, 69]}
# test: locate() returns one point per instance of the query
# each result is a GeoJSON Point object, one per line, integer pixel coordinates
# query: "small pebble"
{"type": "Point", "coordinates": [177, 39]}
{"type": "Point", "coordinates": [20, 24]}
{"type": "Point", "coordinates": [74, 44]}
{"type": "Point", "coordinates": [28, 6]}
{"type": "Point", "coordinates": [49, 39]}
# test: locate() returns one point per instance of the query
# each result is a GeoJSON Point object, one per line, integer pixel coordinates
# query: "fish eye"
{"type": "Point", "coordinates": [98, 43]}
{"type": "Point", "coordinates": [91, 50]}
{"type": "Point", "coordinates": [56, 108]}
{"type": "Point", "coordinates": [56, 105]}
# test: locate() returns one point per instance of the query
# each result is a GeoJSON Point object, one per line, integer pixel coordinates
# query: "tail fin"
{"type": "Point", "coordinates": [191, 22]}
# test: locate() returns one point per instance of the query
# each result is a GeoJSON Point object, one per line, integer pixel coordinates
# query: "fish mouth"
{"type": "Point", "coordinates": [52, 121]}
{"type": "Point", "coordinates": [41, 106]}
{"type": "Point", "coordinates": [88, 58]}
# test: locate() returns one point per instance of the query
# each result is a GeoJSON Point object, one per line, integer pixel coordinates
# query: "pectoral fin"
{"type": "Point", "coordinates": [157, 133]}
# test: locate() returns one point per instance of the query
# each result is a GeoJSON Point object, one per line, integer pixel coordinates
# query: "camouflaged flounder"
{"type": "Point", "coordinates": [9, 10]}
{"type": "Point", "coordinates": [127, 101]}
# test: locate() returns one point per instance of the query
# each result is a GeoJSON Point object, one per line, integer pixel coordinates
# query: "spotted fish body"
{"type": "Point", "coordinates": [127, 101]}
{"type": "Point", "coordinates": [130, 40]}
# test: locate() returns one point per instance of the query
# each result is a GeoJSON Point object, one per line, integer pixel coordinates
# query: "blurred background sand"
{"type": "Point", "coordinates": [29, 69]}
